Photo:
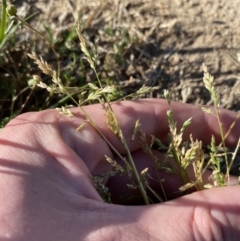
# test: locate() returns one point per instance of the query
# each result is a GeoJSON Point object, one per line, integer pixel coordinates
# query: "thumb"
{"type": "Point", "coordinates": [205, 215]}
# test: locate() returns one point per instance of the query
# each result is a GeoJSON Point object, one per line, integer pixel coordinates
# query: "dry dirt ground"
{"type": "Point", "coordinates": [171, 41]}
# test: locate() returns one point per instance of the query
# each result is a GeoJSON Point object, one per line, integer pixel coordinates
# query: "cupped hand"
{"type": "Point", "coordinates": [46, 192]}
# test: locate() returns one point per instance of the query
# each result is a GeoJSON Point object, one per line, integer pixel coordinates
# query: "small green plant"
{"type": "Point", "coordinates": [7, 25]}
{"type": "Point", "coordinates": [12, 11]}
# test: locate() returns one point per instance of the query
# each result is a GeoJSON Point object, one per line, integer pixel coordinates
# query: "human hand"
{"type": "Point", "coordinates": [46, 192]}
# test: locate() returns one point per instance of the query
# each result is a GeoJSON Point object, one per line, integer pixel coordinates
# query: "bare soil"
{"type": "Point", "coordinates": [171, 41]}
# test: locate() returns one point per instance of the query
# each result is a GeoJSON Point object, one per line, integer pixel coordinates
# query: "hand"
{"type": "Point", "coordinates": [46, 192]}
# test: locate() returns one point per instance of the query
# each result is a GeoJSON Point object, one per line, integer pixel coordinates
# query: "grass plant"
{"type": "Point", "coordinates": [184, 153]}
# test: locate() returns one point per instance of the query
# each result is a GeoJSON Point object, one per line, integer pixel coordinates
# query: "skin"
{"type": "Point", "coordinates": [46, 193]}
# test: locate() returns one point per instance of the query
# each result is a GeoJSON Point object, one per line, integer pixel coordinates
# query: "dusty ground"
{"type": "Point", "coordinates": [173, 39]}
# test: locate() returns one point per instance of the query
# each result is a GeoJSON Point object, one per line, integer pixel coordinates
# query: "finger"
{"type": "Point", "coordinates": [153, 119]}
{"type": "Point", "coordinates": [205, 215]}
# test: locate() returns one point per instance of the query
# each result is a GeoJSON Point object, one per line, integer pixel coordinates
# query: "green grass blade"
{"type": "Point", "coordinates": [3, 20]}
{"type": "Point", "coordinates": [11, 30]}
